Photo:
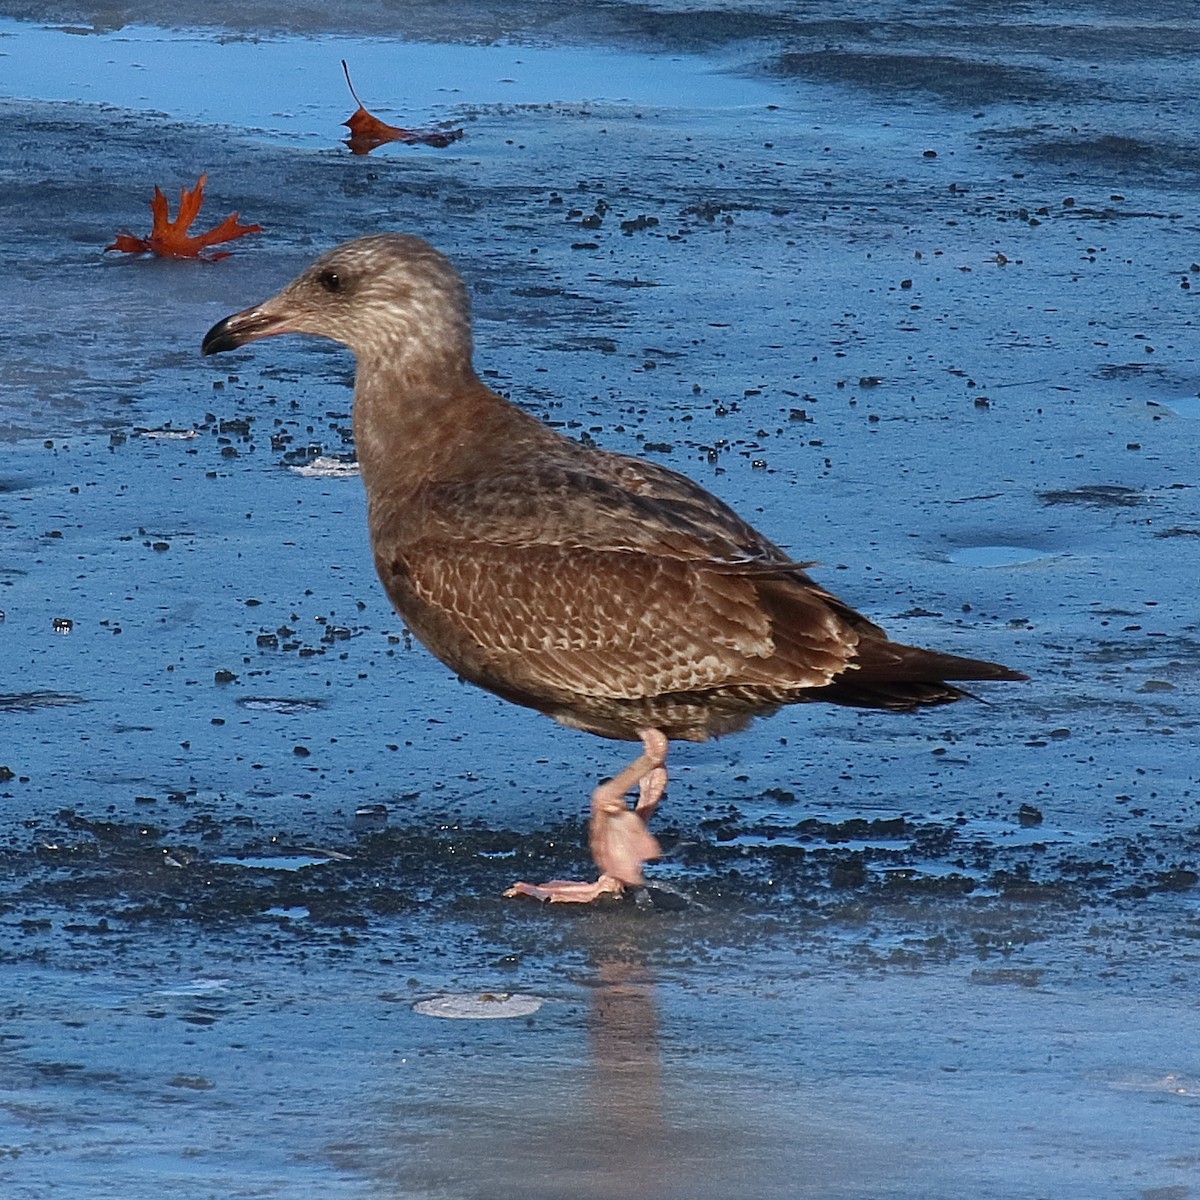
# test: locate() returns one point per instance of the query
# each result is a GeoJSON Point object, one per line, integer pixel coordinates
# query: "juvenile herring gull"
{"type": "Point", "coordinates": [611, 594]}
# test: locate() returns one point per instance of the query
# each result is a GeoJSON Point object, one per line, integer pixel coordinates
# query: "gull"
{"type": "Point", "coordinates": [612, 594]}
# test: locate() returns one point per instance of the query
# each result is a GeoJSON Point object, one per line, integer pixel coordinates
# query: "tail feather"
{"type": "Point", "coordinates": [893, 676]}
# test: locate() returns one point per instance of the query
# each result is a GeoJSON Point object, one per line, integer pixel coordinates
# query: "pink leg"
{"type": "Point", "coordinates": [651, 787]}
{"type": "Point", "coordinates": [619, 839]}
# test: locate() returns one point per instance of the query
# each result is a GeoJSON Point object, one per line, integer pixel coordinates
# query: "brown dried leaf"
{"type": "Point", "coordinates": [367, 131]}
{"type": "Point", "coordinates": [170, 239]}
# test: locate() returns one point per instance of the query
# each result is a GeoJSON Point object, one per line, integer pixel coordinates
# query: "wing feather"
{"type": "Point", "coordinates": [615, 624]}
{"type": "Point", "coordinates": [578, 576]}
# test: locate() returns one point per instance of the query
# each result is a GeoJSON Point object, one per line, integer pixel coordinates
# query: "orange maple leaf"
{"type": "Point", "coordinates": [368, 131]}
{"type": "Point", "coordinates": [170, 239]}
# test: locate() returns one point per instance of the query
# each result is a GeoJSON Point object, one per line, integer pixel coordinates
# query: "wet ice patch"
{"type": "Point", "coordinates": [479, 1006]}
{"type": "Point", "coordinates": [194, 987]}
{"type": "Point", "coordinates": [1171, 1085]}
{"type": "Point", "coordinates": [273, 862]}
{"type": "Point", "coordinates": [1002, 831]}
{"type": "Point", "coordinates": [1185, 406]}
{"type": "Point", "coordinates": [167, 435]}
{"type": "Point", "coordinates": [292, 87]}
{"type": "Point", "coordinates": [288, 706]}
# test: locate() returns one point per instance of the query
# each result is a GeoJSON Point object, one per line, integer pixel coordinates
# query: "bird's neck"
{"type": "Point", "coordinates": [412, 425]}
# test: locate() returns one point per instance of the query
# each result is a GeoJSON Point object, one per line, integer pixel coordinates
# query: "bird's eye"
{"type": "Point", "coordinates": [331, 281]}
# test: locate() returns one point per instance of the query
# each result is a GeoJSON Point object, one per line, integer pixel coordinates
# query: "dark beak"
{"type": "Point", "coordinates": [240, 328]}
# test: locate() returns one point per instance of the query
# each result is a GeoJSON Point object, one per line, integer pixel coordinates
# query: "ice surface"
{"type": "Point", "coordinates": [292, 87]}
{"type": "Point", "coordinates": [908, 288]}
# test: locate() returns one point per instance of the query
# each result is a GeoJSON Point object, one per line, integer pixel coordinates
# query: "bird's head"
{"type": "Point", "coordinates": [389, 298]}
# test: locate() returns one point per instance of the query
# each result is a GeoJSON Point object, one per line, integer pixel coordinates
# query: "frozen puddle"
{"type": "Point", "coordinates": [1185, 406]}
{"type": "Point", "coordinates": [167, 435]}
{"type": "Point", "coordinates": [479, 1006]}
{"type": "Point", "coordinates": [274, 862]}
{"type": "Point", "coordinates": [195, 987]}
{"type": "Point", "coordinates": [995, 556]}
{"type": "Point", "coordinates": [289, 706]}
{"type": "Point", "coordinates": [292, 87]}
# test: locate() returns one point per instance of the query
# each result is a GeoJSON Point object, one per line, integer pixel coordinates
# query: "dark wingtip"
{"type": "Point", "coordinates": [903, 678]}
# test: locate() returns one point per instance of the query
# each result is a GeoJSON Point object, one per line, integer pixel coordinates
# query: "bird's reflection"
{"type": "Point", "coordinates": [565, 1104]}
{"type": "Point", "coordinates": [586, 1104]}
{"type": "Point", "coordinates": [624, 1100]}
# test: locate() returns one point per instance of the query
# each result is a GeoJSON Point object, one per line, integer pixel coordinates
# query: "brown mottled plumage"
{"type": "Point", "coordinates": [609, 593]}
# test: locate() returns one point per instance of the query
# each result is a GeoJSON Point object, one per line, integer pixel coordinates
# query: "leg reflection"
{"type": "Point", "coordinates": [624, 1101]}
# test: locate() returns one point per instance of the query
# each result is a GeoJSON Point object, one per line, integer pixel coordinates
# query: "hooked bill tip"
{"type": "Point", "coordinates": [238, 329]}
